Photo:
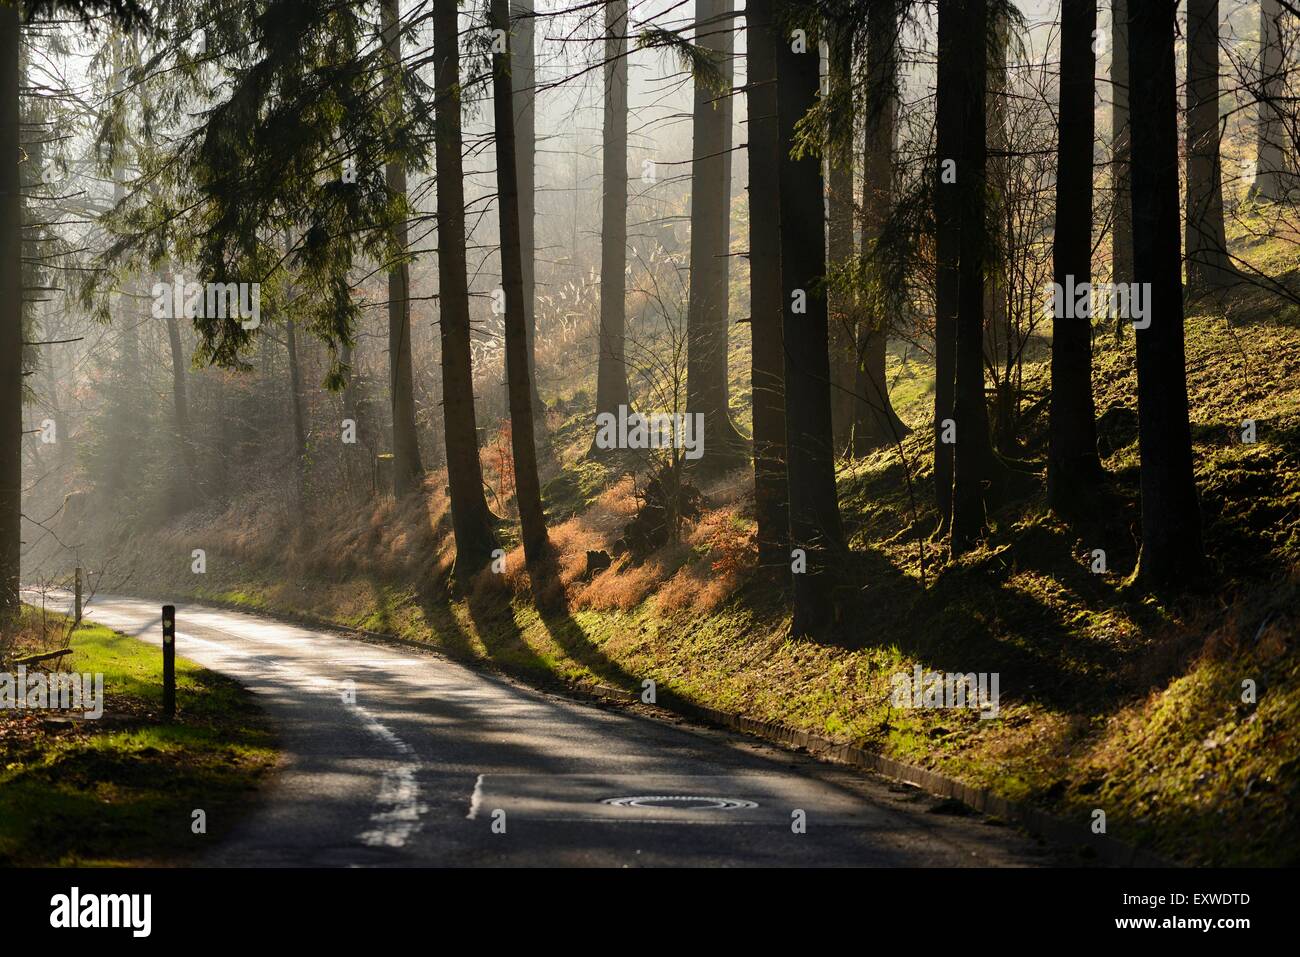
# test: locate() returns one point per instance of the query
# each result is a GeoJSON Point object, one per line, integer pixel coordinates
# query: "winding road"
{"type": "Point", "coordinates": [395, 756]}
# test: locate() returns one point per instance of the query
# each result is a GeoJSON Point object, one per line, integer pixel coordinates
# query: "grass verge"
{"type": "Point", "coordinates": [122, 790]}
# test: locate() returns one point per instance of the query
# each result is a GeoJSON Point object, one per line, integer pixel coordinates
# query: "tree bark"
{"type": "Point", "coordinates": [997, 255]}
{"type": "Point", "coordinates": [523, 84]}
{"type": "Point", "coordinates": [973, 462]}
{"type": "Point", "coordinates": [295, 381]}
{"type": "Point", "coordinates": [949, 123]}
{"type": "Point", "coordinates": [814, 511]}
{"type": "Point", "coordinates": [184, 486]}
{"type": "Point", "coordinates": [347, 357]}
{"type": "Point", "coordinates": [11, 322]}
{"type": "Point", "coordinates": [876, 424]}
{"type": "Point", "coordinates": [767, 357]}
{"type": "Point", "coordinates": [1171, 527]}
{"type": "Point", "coordinates": [1208, 264]}
{"type": "Point", "coordinates": [611, 373]}
{"type": "Point", "coordinates": [1271, 169]}
{"type": "Point", "coordinates": [471, 521]}
{"type": "Point", "coordinates": [707, 313]}
{"type": "Point", "coordinates": [295, 396]}
{"type": "Point", "coordinates": [1073, 466]}
{"type": "Point", "coordinates": [1121, 149]}
{"type": "Point", "coordinates": [407, 470]}
{"type": "Point", "coordinates": [124, 400]}
{"type": "Point", "coordinates": [843, 350]}
{"type": "Point", "coordinates": [528, 495]}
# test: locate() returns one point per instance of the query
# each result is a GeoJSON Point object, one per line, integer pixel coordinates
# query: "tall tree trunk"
{"type": "Point", "coordinates": [1121, 149]}
{"type": "Point", "coordinates": [124, 399]}
{"type": "Point", "coordinates": [876, 424]}
{"type": "Point", "coordinates": [707, 313]}
{"type": "Point", "coordinates": [999, 217]}
{"type": "Point", "coordinates": [407, 469]}
{"type": "Point", "coordinates": [1208, 265]}
{"type": "Point", "coordinates": [611, 373]}
{"type": "Point", "coordinates": [347, 358]}
{"type": "Point", "coordinates": [11, 321]}
{"type": "Point", "coordinates": [997, 256]}
{"type": "Point", "coordinates": [973, 466]}
{"type": "Point", "coordinates": [767, 357]}
{"type": "Point", "coordinates": [814, 511]}
{"type": "Point", "coordinates": [523, 80]}
{"type": "Point", "coordinates": [1171, 525]}
{"type": "Point", "coordinates": [528, 495]}
{"type": "Point", "coordinates": [295, 379]}
{"type": "Point", "coordinates": [129, 360]}
{"type": "Point", "coordinates": [949, 121]}
{"type": "Point", "coordinates": [295, 397]}
{"type": "Point", "coordinates": [843, 351]}
{"type": "Point", "coordinates": [1073, 466]}
{"type": "Point", "coordinates": [470, 519]}
{"type": "Point", "coordinates": [184, 486]}
{"type": "Point", "coordinates": [1271, 170]}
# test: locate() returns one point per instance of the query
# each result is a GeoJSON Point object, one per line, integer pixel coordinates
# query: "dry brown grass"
{"type": "Point", "coordinates": [409, 540]}
{"type": "Point", "coordinates": [625, 585]}
{"type": "Point", "coordinates": [701, 571]}
{"type": "Point", "coordinates": [726, 541]}
{"type": "Point", "coordinates": [618, 502]}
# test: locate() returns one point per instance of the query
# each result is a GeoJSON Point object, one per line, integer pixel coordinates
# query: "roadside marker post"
{"type": "Point", "coordinates": [76, 618]}
{"type": "Point", "coordinates": [169, 661]}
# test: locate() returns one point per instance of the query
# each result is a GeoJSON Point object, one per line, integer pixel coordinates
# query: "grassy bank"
{"type": "Point", "coordinates": [121, 790]}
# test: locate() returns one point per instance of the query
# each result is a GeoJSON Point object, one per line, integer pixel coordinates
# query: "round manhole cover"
{"type": "Point", "coordinates": [689, 802]}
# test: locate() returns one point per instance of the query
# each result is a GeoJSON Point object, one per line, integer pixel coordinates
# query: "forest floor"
{"type": "Point", "coordinates": [1111, 699]}
{"type": "Point", "coordinates": [121, 789]}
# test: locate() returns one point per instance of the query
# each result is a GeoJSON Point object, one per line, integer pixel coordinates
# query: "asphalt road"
{"type": "Point", "coordinates": [395, 756]}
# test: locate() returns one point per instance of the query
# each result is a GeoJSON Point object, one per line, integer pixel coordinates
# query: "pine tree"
{"type": "Point", "coordinates": [1208, 263]}
{"type": "Point", "coordinates": [1271, 169]}
{"type": "Point", "coordinates": [523, 85]}
{"type": "Point", "coordinates": [1073, 466]}
{"type": "Point", "coordinates": [11, 320]}
{"type": "Point", "coordinates": [767, 371]}
{"type": "Point", "coordinates": [974, 460]}
{"type": "Point", "coordinates": [1121, 231]}
{"type": "Point", "coordinates": [707, 312]}
{"type": "Point", "coordinates": [876, 424]}
{"type": "Point", "coordinates": [406, 446]}
{"type": "Point", "coordinates": [528, 496]}
{"type": "Point", "coordinates": [949, 133]}
{"type": "Point", "coordinates": [814, 511]}
{"type": "Point", "coordinates": [840, 239]}
{"type": "Point", "coordinates": [1172, 552]}
{"type": "Point", "coordinates": [611, 372]}
{"type": "Point", "coordinates": [471, 521]}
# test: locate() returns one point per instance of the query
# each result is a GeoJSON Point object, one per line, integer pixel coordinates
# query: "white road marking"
{"type": "Point", "coordinates": [475, 798]}
{"type": "Point", "coordinates": [399, 796]}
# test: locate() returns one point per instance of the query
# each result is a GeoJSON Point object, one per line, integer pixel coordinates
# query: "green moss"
{"type": "Point", "coordinates": [575, 489]}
